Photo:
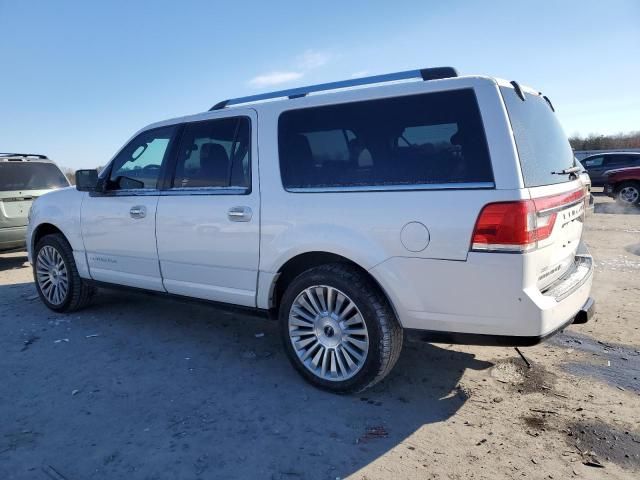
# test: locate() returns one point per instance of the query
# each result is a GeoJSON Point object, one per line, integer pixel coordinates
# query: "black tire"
{"type": "Point", "coordinates": [79, 292]}
{"type": "Point", "coordinates": [385, 333]}
{"type": "Point", "coordinates": [622, 193]}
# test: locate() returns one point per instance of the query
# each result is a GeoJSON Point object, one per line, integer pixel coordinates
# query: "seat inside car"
{"type": "Point", "coordinates": [214, 166]}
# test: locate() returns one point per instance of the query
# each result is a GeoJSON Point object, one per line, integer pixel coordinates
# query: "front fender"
{"type": "Point", "coordinates": [60, 209]}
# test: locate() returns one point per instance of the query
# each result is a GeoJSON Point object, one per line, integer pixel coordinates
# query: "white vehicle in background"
{"type": "Point", "coordinates": [449, 205]}
{"type": "Point", "coordinates": [23, 178]}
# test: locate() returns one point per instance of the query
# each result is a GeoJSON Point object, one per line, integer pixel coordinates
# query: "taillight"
{"type": "Point", "coordinates": [518, 226]}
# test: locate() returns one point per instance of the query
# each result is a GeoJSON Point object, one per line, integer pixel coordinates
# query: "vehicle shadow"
{"type": "Point", "coordinates": [175, 389]}
{"type": "Point", "coordinates": [10, 261]}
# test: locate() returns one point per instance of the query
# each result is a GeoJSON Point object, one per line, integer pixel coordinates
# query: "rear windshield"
{"type": "Point", "coordinates": [30, 176]}
{"type": "Point", "coordinates": [542, 145]}
{"type": "Point", "coordinates": [434, 138]}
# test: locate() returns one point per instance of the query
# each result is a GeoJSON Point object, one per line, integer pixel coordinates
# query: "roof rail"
{"type": "Point", "coordinates": [36, 155]}
{"type": "Point", "coordinates": [424, 74]}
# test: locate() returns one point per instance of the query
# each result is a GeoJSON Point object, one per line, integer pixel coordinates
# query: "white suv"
{"type": "Point", "coordinates": [448, 205]}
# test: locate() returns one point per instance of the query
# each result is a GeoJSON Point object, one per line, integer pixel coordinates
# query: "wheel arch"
{"type": "Point", "coordinates": [301, 262]}
{"type": "Point", "coordinates": [42, 230]}
{"type": "Point", "coordinates": [48, 228]}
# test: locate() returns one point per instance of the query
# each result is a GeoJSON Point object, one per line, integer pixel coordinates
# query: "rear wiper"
{"type": "Point", "coordinates": [567, 171]}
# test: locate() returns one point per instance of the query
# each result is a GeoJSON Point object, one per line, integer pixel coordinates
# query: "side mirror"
{"type": "Point", "coordinates": [86, 180]}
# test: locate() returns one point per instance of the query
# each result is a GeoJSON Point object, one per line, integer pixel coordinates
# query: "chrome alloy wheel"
{"type": "Point", "coordinates": [328, 333]}
{"type": "Point", "coordinates": [51, 273]}
{"type": "Point", "coordinates": [629, 195]}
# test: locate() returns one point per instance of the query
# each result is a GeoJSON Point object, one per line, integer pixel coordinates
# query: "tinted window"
{"type": "Point", "coordinates": [542, 145]}
{"type": "Point", "coordinates": [215, 153]}
{"type": "Point", "coordinates": [413, 140]}
{"type": "Point", "coordinates": [30, 176]}
{"type": "Point", "coordinates": [619, 160]}
{"type": "Point", "coordinates": [593, 162]}
{"type": "Point", "coordinates": [138, 164]}
{"type": "Point", "coordinates": [615, 160]}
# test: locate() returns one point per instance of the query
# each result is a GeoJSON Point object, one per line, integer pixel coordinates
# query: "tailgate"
{"type": "Point", "coordinates": [564, 206]}
{"type": "Point", "coordinates": [14, 208]}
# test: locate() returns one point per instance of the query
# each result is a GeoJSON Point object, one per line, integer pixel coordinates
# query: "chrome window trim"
{"type": "Point", "coordinates": [149, 192]}
{"type": "Point", "coordinates": [395, 188]}
{"type": "Point", "coordinates": [171, 192]}
{"type": "Point", "coordinates": [134, 192]}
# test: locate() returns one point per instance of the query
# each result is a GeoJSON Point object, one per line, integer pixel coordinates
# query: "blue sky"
{"type": "Point", "coordinates": [78, 78]}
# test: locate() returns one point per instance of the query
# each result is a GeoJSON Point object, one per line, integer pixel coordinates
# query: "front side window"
{"type": "Point", "coordinates": [214, 153]}
{"type": "Point", "coordinates": [594, 162]}
{"type": "Point", "coordinates": [30, 176]}
{"type": "Point", "coordinates": [433, 138]}
{"type": "Point", "coordinates": [138, 165]}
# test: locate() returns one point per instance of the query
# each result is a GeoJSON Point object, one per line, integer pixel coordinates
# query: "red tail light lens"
{"type": "Point", "coordinates": [518, 226]}
{"type": "Point", "coordinates": [506, 226]}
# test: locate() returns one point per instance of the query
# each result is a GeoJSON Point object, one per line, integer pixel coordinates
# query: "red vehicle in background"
{"type": "Point", "coordinates": [623, 184]}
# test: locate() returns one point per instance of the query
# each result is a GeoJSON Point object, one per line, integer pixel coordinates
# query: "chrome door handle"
{"type": "Point", "coordinates": [239, 214]}
{"type": "Point", "coordinates": [139, 211]}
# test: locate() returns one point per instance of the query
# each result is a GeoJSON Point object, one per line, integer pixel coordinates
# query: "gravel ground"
{"type": "Point", "coordinates": [144, 387]}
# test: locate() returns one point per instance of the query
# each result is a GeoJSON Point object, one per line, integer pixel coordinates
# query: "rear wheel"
{"type": "Point", "coordinates": [56, 275]}
{"type": "Point", "coordinates": [628, 194]}
{"type": "Point", "coordinates": [338, 329]}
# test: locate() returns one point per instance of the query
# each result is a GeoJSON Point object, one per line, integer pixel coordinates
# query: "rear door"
{"type": "Point", "coordinates": [21, 182]}
{"type": "Point", "coordinates": [208, 219]}
{"type": "Point", "coordinates": [118, 226]}
{"type": "Point", "coordinates": [613, 162]}
{"type": "Point", "coordinates": [559, 198]}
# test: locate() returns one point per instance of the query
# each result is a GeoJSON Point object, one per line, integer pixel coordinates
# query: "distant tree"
{"type": "Point", "coordinates": [605, 142]}
{"type": "Point", "coordinates": [70, 174]}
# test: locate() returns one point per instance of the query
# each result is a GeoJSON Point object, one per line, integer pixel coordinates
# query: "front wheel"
{"type": "Point", "coordinates": [56, 276]}
{"type": "Point", "coordinates": [338, 328]}
{"type": "Point", "coordinates": [629, 194]}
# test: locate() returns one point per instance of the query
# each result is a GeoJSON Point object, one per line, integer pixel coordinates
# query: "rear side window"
{"type": "Point", "coordinates": [427, 139]}
{"type": "Point", "coordinates": [618, 160]}
{"type": "Point", "coordinates": [30, 176]}
{"type": "Point", "coordinates": [542, 145]}
{"type": "Point", "coordinates": [214, 153]}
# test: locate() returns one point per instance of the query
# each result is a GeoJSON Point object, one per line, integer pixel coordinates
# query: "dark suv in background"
{"type": "Point", "coordinates": [597, 165]}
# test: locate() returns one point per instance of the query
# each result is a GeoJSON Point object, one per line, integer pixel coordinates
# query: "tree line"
{"type": "Point", "coordinates": [605, 142]}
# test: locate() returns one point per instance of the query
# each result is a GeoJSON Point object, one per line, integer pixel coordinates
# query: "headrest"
{"type": "Point", "coordinates": [212, 153]}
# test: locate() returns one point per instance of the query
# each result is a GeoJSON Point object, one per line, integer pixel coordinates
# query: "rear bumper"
{"type": "Point", "coordinates": [12, 237]}
{"type": "Point", "coordinates": [484, 297]}
{"type": "Point", "coordinates": [583, 316]}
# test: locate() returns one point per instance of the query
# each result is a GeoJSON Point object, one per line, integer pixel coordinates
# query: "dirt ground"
{"type": "Point", "coordinates": [142, 387]}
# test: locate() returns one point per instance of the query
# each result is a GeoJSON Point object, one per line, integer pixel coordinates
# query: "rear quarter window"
{"type": "Point", "coordinates": [542, 145]}
{"type": "Point", "coordinates": [409, 141]}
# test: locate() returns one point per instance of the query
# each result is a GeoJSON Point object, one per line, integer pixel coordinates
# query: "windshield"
{"type": "Point", "coordinates": [542, 145]}
{"type": "Point", "coordinates": [30, 176]}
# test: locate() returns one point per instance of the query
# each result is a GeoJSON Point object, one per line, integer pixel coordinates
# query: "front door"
{"type": "Point", "coordinates": [118, 225]}
{"type": "Point", "coordinates": [595, 168]}
{"type": "Point", "coordinates": [208, 219]}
